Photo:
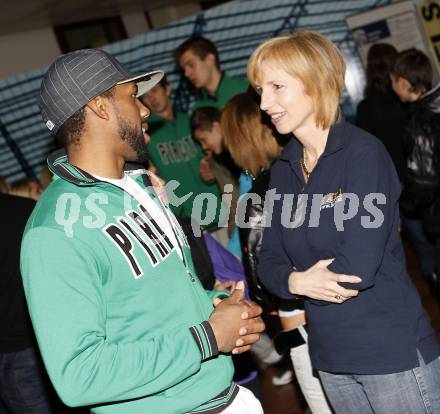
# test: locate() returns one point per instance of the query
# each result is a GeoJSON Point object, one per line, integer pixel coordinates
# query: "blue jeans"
{"type": "Point", "coordinates": [416, 391]}
{"type": "Point", "coordinates": [23, 386]}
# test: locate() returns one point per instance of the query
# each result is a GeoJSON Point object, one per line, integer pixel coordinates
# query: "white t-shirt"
{"type": "Point", "coordinates": [162, 217]}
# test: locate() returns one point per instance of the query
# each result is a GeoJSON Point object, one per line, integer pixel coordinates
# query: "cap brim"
{"type": "Point", "coordinates": [145, 81]}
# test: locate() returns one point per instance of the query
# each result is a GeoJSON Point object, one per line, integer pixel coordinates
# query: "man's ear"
{"type": "Point", "coordinates": [168, 90]}
{"type": "Point", "coordinates": [406, 84]}
{"type": "Point", "coordinates": [210, 58]}
{"type": "Point", "coordinates": [100, 107]}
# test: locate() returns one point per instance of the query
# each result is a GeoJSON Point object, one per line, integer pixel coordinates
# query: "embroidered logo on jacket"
{"type": "Point", "coordinates": [330, 200]}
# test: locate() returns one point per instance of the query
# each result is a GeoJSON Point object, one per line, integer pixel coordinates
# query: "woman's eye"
{"type": "Point", "coordinates": [277, 86]}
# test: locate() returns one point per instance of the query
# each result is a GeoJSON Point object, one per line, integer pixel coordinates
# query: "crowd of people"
{"type": "Point", "coordinates": [172, 255]}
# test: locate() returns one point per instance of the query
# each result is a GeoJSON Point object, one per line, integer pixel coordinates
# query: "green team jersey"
{"type": "Point", "coordinates": [228, 87]}
{"type": "Point", "coordinates": [121, 323]}
{"type": "Point", "coordinates": [177, 156]}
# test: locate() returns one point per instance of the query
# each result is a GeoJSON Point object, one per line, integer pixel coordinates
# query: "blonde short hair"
{"type": "Point", "coordinates": [315, 61]}
{"type": "Point", "coordinates": [248, 139]}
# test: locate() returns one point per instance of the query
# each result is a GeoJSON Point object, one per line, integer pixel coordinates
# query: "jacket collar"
{"type": "Point", "coordinates": [335, 141]}
{"type": "Point", "coordinates": [59, 165]}
{"type": "Point", "coordinates": [430, 100]}
{"type": "Point", "coordinates": [214, 97]}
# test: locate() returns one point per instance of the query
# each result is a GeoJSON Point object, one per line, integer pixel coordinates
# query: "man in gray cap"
{"type": "Point", "coordinates": [122, 321]}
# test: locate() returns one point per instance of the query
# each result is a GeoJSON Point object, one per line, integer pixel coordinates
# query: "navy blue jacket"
{"type": "Point", "coordinates": [380, 330]}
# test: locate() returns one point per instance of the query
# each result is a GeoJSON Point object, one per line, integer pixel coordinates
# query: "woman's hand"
{"type": "Point", "coordinates": [229, 285]}
{"type": "Point", "coordinates": [318, 282]}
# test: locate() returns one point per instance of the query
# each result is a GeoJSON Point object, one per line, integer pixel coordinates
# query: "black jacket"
{"type": "Point", "coordinates": [16, 329]}
{"type": "Point", "coordinates": [380, 330]}
{"type": "Point", "coordinates": [385, 118]}
{"type": "Point", "coordinates": [422, 150]}
{"type": "Point", "coordinates": [251, 237]}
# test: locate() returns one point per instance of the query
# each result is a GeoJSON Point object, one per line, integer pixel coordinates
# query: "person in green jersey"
{"type": "Point", "coordinates": [199, 60]}
{"type": "Point", "coordinates": [121, 319]}
{"type": "Point", "coordinates": [173, 151]}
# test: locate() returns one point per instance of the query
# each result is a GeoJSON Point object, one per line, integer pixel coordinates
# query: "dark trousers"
{"type": "Point", "coordinates": [24, 387]}
{"type": "Point", "coordinates": [425, 248]}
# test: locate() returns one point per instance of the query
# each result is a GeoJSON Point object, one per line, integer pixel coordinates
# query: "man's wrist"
{"type": "Point", "coordinates": [205, 339]}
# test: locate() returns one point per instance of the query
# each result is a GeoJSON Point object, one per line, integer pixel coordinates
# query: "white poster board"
{"type": "Point", "coordinates": [396, 24]}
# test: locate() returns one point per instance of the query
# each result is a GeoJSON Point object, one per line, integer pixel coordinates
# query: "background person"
{"type": "Point", "coordinates": [199, 60]}
{"type": "Point", "coordinates": [24, 386]}
{"type": "Point", "coordinates": [380, 112]}
{"type": "Point", "coordinates": [172, 150]}
{"type": "Point", "coordinates": [412, 81]}
{"type": "Point", "coordinates": [218, 164]}
{"type": "Point", "coordinates": [368, 332]}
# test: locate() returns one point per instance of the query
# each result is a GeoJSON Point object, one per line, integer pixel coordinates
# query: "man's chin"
{"type": "Point", "coordinates": [141, 157]}
{"type": "Point", "coordinates": [139, 152]}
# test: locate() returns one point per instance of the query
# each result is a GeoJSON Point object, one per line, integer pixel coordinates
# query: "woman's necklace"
{"type": "Point", "coordinates": [303, 164]}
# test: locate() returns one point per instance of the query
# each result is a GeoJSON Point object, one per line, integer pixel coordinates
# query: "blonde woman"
{"type": "Point", "coordinates": [333, 238]}
{"type": "Point", "coordinates": [254, 148]}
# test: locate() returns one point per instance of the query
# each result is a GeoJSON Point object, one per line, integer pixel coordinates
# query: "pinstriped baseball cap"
{"type": "Point", "coordinates": [77, 77]}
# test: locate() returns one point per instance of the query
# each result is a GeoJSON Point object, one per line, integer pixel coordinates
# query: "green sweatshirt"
{"type": "Point", "coordinates": [177, 157]}
{"type": "Point", "coordinates": [121, 322]}
{"type": "Point", "coordinates": [228, 87]}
